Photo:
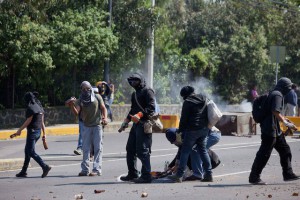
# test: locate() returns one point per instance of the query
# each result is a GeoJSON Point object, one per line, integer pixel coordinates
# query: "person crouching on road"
{"type": "Point", "coordinates": [194, 161]}
{"type": "Point", "coordinates": [34, 124]}
{"type": "Point", "coordinates": [272, 136]}
{"type": "Point", "coordinates": [194, 123]}
{"type": "Point", "coordinates": [139, 143]}
{"type": "Point", "coordinates": [93, 113]}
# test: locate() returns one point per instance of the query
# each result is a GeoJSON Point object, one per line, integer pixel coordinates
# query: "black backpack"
{"type": "Point", "coordinates": [259, 111]}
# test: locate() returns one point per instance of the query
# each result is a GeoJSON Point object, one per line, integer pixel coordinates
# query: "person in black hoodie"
{"type": "Point", "coordinates": [194, 123]}
{"type": "Point", "coordinates": [34, 124]}
{"type": "Point", "coordinates": [139, 143]}
{"type": "Point", "coordinates": [272, 136]}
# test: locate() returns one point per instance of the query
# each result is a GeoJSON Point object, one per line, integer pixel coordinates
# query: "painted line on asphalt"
{"type": "Point", "coordinates": [122, 159]}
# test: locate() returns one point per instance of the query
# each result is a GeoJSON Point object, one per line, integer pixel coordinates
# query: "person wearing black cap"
{"type": "Point", "coordinates": [194, 123]}
{"type": "Point", "coordinates": [139, 143]}
{"type": "Point", "coordinates": [272, 136]}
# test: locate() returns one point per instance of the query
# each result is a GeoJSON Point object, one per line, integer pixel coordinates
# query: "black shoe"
{"type": "Point", "coordinates": [257, 182]}
{"type": "Point", "coordinates": [128, 177]}
{"type": "Point", "coordinates": [21, 174]}
{"type": "Point", "coordinates": [142, 180]}
{"type": "Point", "coordinates": [45, 171]}
{"type": "Point", "coordinates": [193, 178]}
{"type": "Point", "coordinates": [291, 177]}
{"type": "Point", "coordinates": [207, 179]}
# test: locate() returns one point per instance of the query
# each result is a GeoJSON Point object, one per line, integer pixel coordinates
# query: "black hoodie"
{"type": "Point", "coordinates": [191, 116]}
{"type": "Point", "coordinates": [145, 97]}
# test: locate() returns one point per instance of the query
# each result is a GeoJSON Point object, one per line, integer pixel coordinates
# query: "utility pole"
{"type": "Point", "coordinates": [106, 64]}
{"type": "Point", "coordinates": [150, 55]}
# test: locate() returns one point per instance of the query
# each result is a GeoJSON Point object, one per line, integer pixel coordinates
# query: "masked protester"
{"type": "Point", "coordinates": [93, 114]}
{"type": "Point", "coordinates": [105, 91]}
{"type": "Point", "coordinates": [34, 124]}
{"type": "Point", "coordinates": [194, 124]}
{"type": "Point", "coordinates": [272, 137]}
{"type": "Point", "coordinates": [139, 143]}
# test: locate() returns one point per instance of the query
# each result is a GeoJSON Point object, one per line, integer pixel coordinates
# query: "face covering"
{"type": "Point", "coordinates": [85, 97]}
{"type": "Point", "coordinates": [134, 83]}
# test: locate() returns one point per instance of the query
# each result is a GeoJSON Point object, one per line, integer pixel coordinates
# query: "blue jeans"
{"type": "Point", "coordinates": [191, 138]}
{"type": "Point", "coordinates": [31, 139]}
{"type": "Point", "coordinates": [81, 126]}
{"type": "Point", "coordinates": [92, 135]}
{"type": "Point", "coordinates": [212, 139]}
{"type": "Point", "coordinates": [139, 146]}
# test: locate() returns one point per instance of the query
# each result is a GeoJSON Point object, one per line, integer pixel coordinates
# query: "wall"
{"type": "Point", "coordinates": [62, 115]}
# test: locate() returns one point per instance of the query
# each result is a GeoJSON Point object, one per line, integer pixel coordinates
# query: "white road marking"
{"type": "Point", "coordinates": [152, 156]}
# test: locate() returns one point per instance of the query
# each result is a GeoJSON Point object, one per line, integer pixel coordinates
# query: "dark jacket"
{"type": "Point", "coordinates": [191, 116]}
{"type": "Point", "coordinates": [145, 97]}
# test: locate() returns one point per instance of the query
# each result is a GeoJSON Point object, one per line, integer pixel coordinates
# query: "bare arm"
{"type": "Point", "coordinates": [75, 109]}
{"type": "Point", "coordinates": [278, 116]}
{"type": "Point", "coordinates": [25, 124]}
{"type": "Point", "coordinates": [104, 113]}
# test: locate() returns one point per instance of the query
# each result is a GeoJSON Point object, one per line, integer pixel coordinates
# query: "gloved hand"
{"type": "Point", "coordinates": [178, 138]}
{"type": "Point", "coordinates": [124, 125]}
{"type": "Point", "coordinates": [136, 118]}
{"type": "Point", "coordinates": [289, 124]}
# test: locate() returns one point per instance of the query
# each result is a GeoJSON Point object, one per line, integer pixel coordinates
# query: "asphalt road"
{"type": "Point", "coordinates": [62, 183]}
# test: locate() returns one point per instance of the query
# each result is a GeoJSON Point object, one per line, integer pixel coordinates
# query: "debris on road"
{"type": "Point", "coordinates": [295, 194]}
{"type": "Point", "coordinates": [78, 196]}
{"type": "Point", "coordinates": [98, 191]}
{"type": "Point", "coordinates": [144, 194]}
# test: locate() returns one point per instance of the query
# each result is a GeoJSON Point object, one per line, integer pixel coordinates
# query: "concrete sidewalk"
{"type": "Point", "coordinates": [59, 129]}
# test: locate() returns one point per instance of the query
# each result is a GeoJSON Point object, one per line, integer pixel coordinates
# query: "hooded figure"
{"type": "Point", "coordinates": [272, 137]}
{"type": "Point", "coordinates": [194, 111]}
{"type": "Point", "coordinates": [139, 143]}
{"type": "Point", "coordinates": [33, 104]}
{"type": "Point", "coordinates": [35, 125]}
{"type": "Point", "coordinates": [143, 94]}
{"type": "Point", "coordinates": [194, 123]}
{"type": "Point", "coordinates": [284, 85]}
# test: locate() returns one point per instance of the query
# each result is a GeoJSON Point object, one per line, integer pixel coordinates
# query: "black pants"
{"type": "Point", "coordinates": [139, 146]}
{"type": "Point", "coordinates": [264, 153]}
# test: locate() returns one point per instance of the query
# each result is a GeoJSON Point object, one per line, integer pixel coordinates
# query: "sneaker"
{"type": "Point", "coordinates": [95, 174]}
{"type": "Point", "coordinates": [21, 174]}
{"type": "Point", "coordinates": [78, 151]}
{"type": "Point", "coordinates": [46, 171]}
{"type": "Point", "coordinates": [175, 178]}
{"type": "Point", "coordinates": [192, 178]}
{"type": "Point", "coordinates": [142, 180]}
{"type": "Point", "coordinates": [83, 174]}
{"type": "Point", "coordinates": [128, 177]}
{"type": "Point", "coordinates": [207, 178]}
{"type": "Point", "coordinates": [257, 182]}
{"type": "Point", "coordinates": [291, 177]}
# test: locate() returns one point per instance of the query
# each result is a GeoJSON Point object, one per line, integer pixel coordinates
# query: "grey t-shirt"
{"type": "Point", "coordinates": [91, 115]}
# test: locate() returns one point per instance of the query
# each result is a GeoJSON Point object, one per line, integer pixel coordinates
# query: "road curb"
{"type": "Point", "coordinates": [62, 129]}
{"type": "Point", "coordinates": [11, 164]}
